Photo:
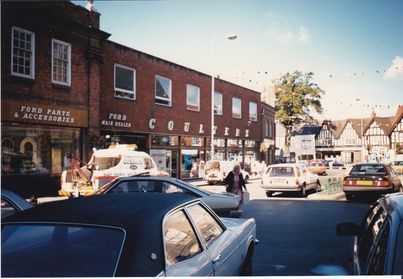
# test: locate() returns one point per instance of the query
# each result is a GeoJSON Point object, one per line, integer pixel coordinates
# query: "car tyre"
{"type": "Point", "coordinates": [349, 196]}
{"type": "Point", "coordinates": [269, 194]}
{"type": "Point", "coordinates": [303, 191]}
{"type": "Point", "coordinates": [318, 187]}
{"type": "Point", "coordinates": [246, 269]}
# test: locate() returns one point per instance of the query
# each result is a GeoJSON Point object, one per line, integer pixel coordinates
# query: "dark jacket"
{"type": "Point", "coordinates": [229, 180]}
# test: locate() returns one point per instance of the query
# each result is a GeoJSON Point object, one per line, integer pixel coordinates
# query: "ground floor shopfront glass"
{"type": "Point", "coordinates": [192, 157]}
{"type": "Point", "coordinates": [31, 151]}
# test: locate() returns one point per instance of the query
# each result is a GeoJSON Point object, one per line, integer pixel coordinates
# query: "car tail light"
{"type": "Point", "coordinates": [348, 182]}
{"type": "Point", "coordinates": [381, 183]}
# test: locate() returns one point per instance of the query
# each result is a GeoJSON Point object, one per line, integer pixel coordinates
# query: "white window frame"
{"type": "Point", "coordinates": [187, 97]}
{"type": "Point", "coordinates": [32, 64]}
{"type": "Point", "coordinates": [160, 98]}
{"type": "Point", "coordinates": [68, 82]}
{"type": "Point", "coordinates": [254, 118]}
{"type": "Point", "coordinates": [240, 103]}
{"type": "Point", "coordinates": [220, 110]}
{"type": "Point", "coordinates": [124, 90]}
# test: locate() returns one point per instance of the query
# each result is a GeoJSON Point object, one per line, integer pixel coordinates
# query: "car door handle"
{"type": "Point", "coordinates": [217, 259]}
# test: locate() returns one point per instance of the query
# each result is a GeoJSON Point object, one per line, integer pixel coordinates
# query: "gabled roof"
{"type": "Point", "coordinates": [385, 123]}
{"type": "Point", "coordinates": [356, 124]}
{"type": "Point", "coordinates": [397, 119]}
{"type": "Point", "coordinates": [337, 127]}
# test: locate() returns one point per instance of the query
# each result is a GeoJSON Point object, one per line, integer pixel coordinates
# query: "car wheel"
{"type": "Point", "coordinates": [349, 196]}
{"type": "Point", "coordinates": [303, 191]}
{"type": "Point", "coordinates": [318, 187]}
{"type": "Point", "coordinates": [209, 183]}
{"type": "Point", "coordinates": [246, 269]}
{"type": "Point", "coordinates": [269, 194]}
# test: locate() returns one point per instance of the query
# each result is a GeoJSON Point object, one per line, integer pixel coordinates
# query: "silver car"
{"type": "Point", "coordinates": [226, 204]}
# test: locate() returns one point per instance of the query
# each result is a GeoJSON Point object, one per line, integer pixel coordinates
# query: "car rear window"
{"type": "Point", "coordinates": [31, 250]}
{"type": "Point", "coordinates": [370, 169]}
{"type": "Point", "coordinates": [282, 171]}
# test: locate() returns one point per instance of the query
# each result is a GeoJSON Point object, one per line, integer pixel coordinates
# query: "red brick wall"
{"type": "Point", "coordinates": [39, 20]}
{"type": "Point", "coordinates": [139, 111]}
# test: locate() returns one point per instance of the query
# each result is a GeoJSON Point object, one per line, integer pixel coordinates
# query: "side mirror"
{"type": "Point", "coordinates": [347, 229]}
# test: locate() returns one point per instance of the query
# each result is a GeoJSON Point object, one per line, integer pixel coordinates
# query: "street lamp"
{"type": "Point", "coordinates": [229, 37]}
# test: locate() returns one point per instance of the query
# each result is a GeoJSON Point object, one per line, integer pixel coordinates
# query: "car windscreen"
{"type": "Point", "coordinates": [104, 163]}
{"type": "Point", "coordinates": [37, 250]}
{"type": "Point", "coordinates": [212, 165]}
{"type": "Point", "coordinates": [282, 171]}
{"type": "Point", "coordinates": [369, 169]}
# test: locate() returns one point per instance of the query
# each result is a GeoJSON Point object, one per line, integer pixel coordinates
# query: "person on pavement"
{"type": "Point", "coordinates": [235, 182]}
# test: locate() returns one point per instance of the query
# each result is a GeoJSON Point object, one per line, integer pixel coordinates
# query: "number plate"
{"type": "Point", "coordinates": [364, 182]}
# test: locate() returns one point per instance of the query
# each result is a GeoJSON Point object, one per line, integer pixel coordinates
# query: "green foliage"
{"type": "Point", "coordinates": [297, 96]}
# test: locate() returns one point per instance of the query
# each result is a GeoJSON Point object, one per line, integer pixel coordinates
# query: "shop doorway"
{"type": "Point", "coordinates": [172, 162]}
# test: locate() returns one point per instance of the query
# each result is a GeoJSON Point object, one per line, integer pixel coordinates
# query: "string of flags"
{"type": "Point", "coordinates": [243, 76]}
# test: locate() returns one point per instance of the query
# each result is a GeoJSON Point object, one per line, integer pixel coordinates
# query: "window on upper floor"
{"type": "Point", "coordinates": [61, 62]}
{"type": "Point", "coordinates": [252, 111]}
{"type": "Point", "coordinates": [163, 91]}
{"type": "Point", "coordinates": [23, 53]}
{"type": "Point", "coordinates": [236, 108]}
{"type": "Point", "coordinates": [218, 103]}
{"type": "Point", "coordinates": [192, 97]}
{"type": "Point", "coordinates": [125, 82]}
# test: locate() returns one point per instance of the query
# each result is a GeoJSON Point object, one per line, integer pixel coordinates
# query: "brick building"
{"type": "Point", "coordinates": [67, 89]}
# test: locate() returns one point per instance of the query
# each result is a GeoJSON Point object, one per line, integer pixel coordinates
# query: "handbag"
{"type": "Point", "coordinates": [246, 197]}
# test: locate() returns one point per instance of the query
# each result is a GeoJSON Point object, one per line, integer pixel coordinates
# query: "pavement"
{"type": "Point", "coordinates": [256, 192]}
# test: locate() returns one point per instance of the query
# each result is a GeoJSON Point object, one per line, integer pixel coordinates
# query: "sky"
{"type": "Point", "coordinates": [354, 48]}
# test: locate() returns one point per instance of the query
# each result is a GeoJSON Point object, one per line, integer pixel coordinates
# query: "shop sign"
{"type": "Point", "coordinates": [28, 112]}
{"type": "Point", "coordinates": [116, 120]}
{"type": "Point", "coordinates": [152, 122]}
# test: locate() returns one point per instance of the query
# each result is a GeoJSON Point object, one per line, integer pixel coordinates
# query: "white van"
{"type": "Point", "coordinates": [216, 171]}
{"type": "Point", "coordinates": [104, 166]}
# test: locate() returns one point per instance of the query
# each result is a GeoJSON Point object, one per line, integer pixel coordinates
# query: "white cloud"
{"type": "Point", "coordinates": [304, 35]}
{"type": "Point", "coordinates": [395, 71]}
{"type": "Point", "coordinates": [286, 30]}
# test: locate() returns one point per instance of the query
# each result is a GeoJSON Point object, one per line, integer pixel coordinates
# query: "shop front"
{"type": "Point", "coordinates": [35, 139]}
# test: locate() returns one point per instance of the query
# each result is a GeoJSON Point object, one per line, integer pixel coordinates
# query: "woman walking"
{"type": "Point", "coordinates": [235, 182]}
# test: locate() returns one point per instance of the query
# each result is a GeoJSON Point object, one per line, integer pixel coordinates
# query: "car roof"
{"type": "Point", "coordinates": [394, 201]}
{"type": "Point", "coordinates": [140, 215]}
{"type": "Point", "coordinates": [15, 199]}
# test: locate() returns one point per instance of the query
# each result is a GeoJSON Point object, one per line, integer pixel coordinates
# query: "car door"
{"type": "Point", "coordinates": [185, 254]}
{"type": "Point", "coordinates": [224, 252]}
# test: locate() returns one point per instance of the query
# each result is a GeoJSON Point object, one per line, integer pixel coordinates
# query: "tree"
{"type": "Point", "coordinates": [297, 95]}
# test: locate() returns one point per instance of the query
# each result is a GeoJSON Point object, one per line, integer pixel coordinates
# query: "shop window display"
{"type": "Point", "coordinates": [36, 150]}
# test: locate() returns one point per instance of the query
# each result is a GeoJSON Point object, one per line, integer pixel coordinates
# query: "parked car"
{"type": "Point", "coordinates": [126, 235]}
{"type": "Point", "coordinates": [370, 177]}
{"type": "Point", "coordinates": [216, 171]}
{"type": "Point", "coordinates": [225, 204]}
{"type": "Point", "coordinates": [289, 178]}
{"type": "Point", "coordinates": [378, 240]}
{"type": "Point", "coordinates": [317, 166]}
{"type": "Point", "coordinates": [12, 203]}
{"type": "Point", "coordinates": [397, 166]}
{"type": "Point", "coordinates": [334, 164]}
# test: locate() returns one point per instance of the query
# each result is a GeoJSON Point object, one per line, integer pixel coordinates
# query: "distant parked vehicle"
{"type": "Point", "coordinates": [126, 235]}
{"type": "Point", "coordinates": [317, 166]}
{"type": "Point", "coordinates": [378, 240]}
{"type": "Point", "coordinates": [371, 177]}
{"type": "Point", "coordinates": [12, 203]}
{"type": "Point", "coordinates": [216, 171]}
{"type": "Point", "coordinates": [397, 166]}
{"type": "Point", "coordinates": [289, 178]}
